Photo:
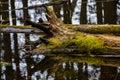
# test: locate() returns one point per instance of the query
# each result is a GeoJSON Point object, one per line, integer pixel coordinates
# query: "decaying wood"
{"type": "Point", "coordinates": [19, 29]}
{"type": "Point", "coordinates": [57, 28]}
{"type": "Point", "coordinates": [15, 30]}
{"type": "Point", "coordinates": [113, 41]}
{"type": "Point", "coordinates": [55, 23]}
{"type": "Point", "coordinates": [46, 29]}
{"type": "Point", "coordinates": [97, 29]}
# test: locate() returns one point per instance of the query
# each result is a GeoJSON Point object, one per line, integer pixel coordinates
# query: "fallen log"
{"type": "Point", "coordinates": [13, 30]}
{"type": "Point", "coordinates": [57, 30]}
{"type": "Point", "coordinates": [18, 29]}
{"type": "Point", "coordinates": [44, 28]}
{"type": "Point", "coordinates": [73, 39]}
{"type": "Point", "coordinates": [96, 29]}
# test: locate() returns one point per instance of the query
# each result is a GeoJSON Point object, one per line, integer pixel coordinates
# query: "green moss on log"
{"type": "Point", "coordinates": [87, 42]}
{"type": "Point", "coordinates": [90, 43]}
{"type": "Point", "coordinates": [96, 29]}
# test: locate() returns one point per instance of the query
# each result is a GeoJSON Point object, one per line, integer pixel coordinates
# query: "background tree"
{"type": "Point", "coordinates": [83, 13]}
{"type": "Point", "coordinates": [13, 12]}
{"type": "Point", "coordinates": [110, 9]}
{"type": "Point", "coordinates": [99, 12]}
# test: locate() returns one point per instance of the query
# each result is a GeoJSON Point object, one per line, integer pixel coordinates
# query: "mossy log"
{"type": "Point", "coordinates": [70, 38]}
{"type": "Point", "coordinates": [18, 29]}
{"type": "Point", "coordinates": [97, 29]}
{"type": "Point", "coordinates": [73, 39]}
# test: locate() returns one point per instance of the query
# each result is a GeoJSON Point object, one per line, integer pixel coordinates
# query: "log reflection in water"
{"type": "Point", "coordinates": [58, 66]}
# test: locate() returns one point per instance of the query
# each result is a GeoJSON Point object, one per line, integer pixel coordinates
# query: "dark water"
{"type": "Point", "coordinates": [15, 65]}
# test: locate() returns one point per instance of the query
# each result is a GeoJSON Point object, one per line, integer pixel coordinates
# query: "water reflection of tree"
{"type": "Point", "coordinates": [109, 73]}
{"type": "Point", "coordinates": [82, 71]}
{"type": "Point", "coordinates": [17, 57]}
{"type": "Point", "coordinates": [7, 48]}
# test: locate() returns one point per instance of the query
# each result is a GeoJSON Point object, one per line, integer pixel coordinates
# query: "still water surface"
{"type": "Point", "coordinates": [15, 65]}
{"type": "Point", "coordinates": [39, 67]}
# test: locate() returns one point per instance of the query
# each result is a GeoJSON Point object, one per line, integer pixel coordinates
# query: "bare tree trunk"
{"type": "Point", "coordinates": [8, 56]}
{"type": "Point", "coordinates": [99, 12]}
{"type": "Point", "coordinates": [83, 14]}
{"type": "Point", "coordinates": [13, 12]}
{"type": "Point", "coordinates": [4, 7]}
{"type": "Point", "coordinates": [57, 9]}
{"type": "Point", "coordinates": [110, 15]}
{"type": "Point", "coordinates": [112, 73]}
